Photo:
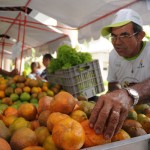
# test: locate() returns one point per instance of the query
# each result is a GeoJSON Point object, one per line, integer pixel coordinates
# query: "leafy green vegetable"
{"type": "Point", "coordinates": [68, 57]}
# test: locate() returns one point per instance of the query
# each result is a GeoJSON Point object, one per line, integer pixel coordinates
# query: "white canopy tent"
{"type": "Point", "coordinates": [84, 18]}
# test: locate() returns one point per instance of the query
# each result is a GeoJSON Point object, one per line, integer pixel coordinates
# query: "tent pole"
{"type": "Point", "coordinates": [3, 45]}
{"type": "Point", "coordinates": [24, 32]}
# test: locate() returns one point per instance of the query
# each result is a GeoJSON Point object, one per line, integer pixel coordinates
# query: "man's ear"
{"type": "Point", "coordinates": [141, 35]}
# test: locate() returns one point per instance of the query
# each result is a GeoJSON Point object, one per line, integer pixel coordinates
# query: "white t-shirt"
{"type": "Point", "coordinates": [129, 71]}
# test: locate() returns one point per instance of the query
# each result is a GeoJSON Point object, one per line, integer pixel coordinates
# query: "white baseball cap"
{"type": "Point", "coordinates": [123, 17]}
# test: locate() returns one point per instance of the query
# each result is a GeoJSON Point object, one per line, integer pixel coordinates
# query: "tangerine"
{"type": "Point", "coordinates": [44, 103]}
{"type": "Point", "coordinates": [91, 138]}
{"type": "Point", "coordinates": [34, 148]}
{"type": "Point", "coordinates": [121, 135]}
{"type": "Point", "coordinates": [27, 89]}
{"type": "Point", "coordinates": [43, 116]}
{"type": "Point", "coordinates": [27, 111]}
{"type": "Point", "coordinates": [18, 91]}
{"type": "Point", "coordinates": [2, 94]}
{"type": "Point", "coordinates": [78, 115]}
{"type": "Point", "coordinates": [54, 118]}
{"type": "Point", "coordinates": [10, 111]}
{"type": "Point", "coordinates": [63, 102]}
{"type": "Point", "coordinates": [49, 144]}
{"type": "Point", "coordinates": [4, 144]}
{"type": "Point", "coordinates": [42, 133]}
{"type": "Point", "coordinates": [68, 134]}
{"type": "Point", "coordinates": [23, 138]}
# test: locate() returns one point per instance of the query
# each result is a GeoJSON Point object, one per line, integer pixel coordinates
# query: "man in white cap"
{"type": "Point", "coordinates": [129, 63]}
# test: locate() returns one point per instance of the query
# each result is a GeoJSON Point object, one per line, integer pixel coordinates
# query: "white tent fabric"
{"type": "Point", "coordinates": [86, 16]}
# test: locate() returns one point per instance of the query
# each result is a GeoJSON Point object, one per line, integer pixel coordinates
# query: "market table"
{"type": "Point", "coordinates": [136, 143]}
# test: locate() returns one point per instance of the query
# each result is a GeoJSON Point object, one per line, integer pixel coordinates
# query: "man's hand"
{"type": "Point", "coordinates": [109, 113]}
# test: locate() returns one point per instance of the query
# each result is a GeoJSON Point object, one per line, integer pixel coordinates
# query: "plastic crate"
{"type": "Point", "coordinates": [81, 80]}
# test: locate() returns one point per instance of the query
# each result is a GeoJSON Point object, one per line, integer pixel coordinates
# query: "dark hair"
{"type": "Point", "coordinates": [47, 56]}
{"type": "Point", "coordinates": [33, 65]}
{"type": "Point", "coordinates": [137, 28]}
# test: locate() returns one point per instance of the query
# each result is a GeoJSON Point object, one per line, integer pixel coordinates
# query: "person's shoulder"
{"type": "Point", "coordinates": [146, 48]}
{"type": "Point", "coordinates": [114, 55]}
{"type": "Point", "coordinates": [147, 44]}
{"type": "Point", "coordinates": [32, 76]}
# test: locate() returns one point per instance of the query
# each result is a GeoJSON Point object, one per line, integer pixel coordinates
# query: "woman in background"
{"type": "Point", "coordinates": [34, 71]}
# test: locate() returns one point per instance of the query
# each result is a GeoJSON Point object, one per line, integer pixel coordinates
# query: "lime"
{"type": "Point", "coordinates": [33, 100]}
{"type": "Point", "coordinates": [14, 97]}
{"type": "Point", "coordinates": [25, 96]}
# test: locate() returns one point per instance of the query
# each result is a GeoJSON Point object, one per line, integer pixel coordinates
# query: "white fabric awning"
{"type": "Point", "coordinates": [85, 16]}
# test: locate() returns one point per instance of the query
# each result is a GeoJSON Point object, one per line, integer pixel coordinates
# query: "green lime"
{"type": "Point", "coordinates": [25, 96]}
{"type": "Point", "coordinates": [14, 97]}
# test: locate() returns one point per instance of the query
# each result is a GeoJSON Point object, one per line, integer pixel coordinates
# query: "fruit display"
{"type": "Point", "coordinates": [33, 116]}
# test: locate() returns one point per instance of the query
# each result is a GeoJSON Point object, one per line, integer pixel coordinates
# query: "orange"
{"type": "Point", "coordinates": [49, 144]}
{"type": "Point", "coordinates": [27, 81]}
{"type": "Point", "coordinates": [43, 116]}
{"type": "Point", "coordinates": [23, 138]}
{"type": "Point", "coordinates": [2, 94]}
{"type": "Point", "coordinates": [78, 115]}
{"type": "Point", "coordinates": [39, 89]}
{"type": "Point", "coordinates": [27, 89]}
{"type": "Point", "coordinates": [42, 133]}
{"type": "Point", "coordinates": [15, 78]}
{"type": "Point", "coordinates": [7, 101]}
{"type": "Point", "coordinates": [121, 135]}
{"type": "Point", "coordinates": [132, 114]}
{"type": "Point", "coordinates": [3, 87]}
{"type": "Point", "coordinates": [18, 91]}
{"type": "Point", "coordinates": [44, 88]}
{"type": "Point", "coordinates": [55, 90]}
{"type": "Point", "coordinates": [20, 85]}
{"type": "Point", "coordinates": [9, 91]}
{"type": "Point", "coordinates": [54, 118]}
{"type": "Point", "coordinates": [34, 124]}
{"type": "Point", "coordinates": [63, 102]}
{"type": "Point", "coordinates": [33, 83]}
{"type": "Point", "coordinates": [34, 90]}
{"type": "Point", "coordinates": [148, 115]}
{"type": "Point", "coordinates": [21, 79]}
{"type": "Point", "coordinates": [27, 111]}
{"type": "Point", "coordinates": [40, 83]}
{"type": "Point", "coordinates": [34, 95]}
{"type": "Point", "coordinates": [68, 134]}
{"type": "Point", "coordinates": [50, 93]}
{"type": "Point", "coordinates": [34, 148]}
{"type": "Point", "coordinates": [44, 103]}
{"type": "Point", "coordinates": [4, 145]}
{"type": "Point", "coordinates": [45, 84]}
{"type": "Point", "coordinates": [19, 123]}
{"type": "Point", "coordinates": [8, 120]}
{"type": "Point", "coordinates": [91, 138]}
{"type": "Point", "coordinates": [4, 131]}
{"type": "Point", "coordinates": [10, 111]}
{"type": "Point", "coordinates": [41, 94]}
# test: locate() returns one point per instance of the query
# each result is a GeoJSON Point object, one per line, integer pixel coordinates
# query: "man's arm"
{"type": "Point", "coordinates": [4, 72]}
{"type": "Point", "coordinates": [143, 90]}
{"type": "Point", "coordinates": [7, 73]}
{"type": "Point", "coordinates": [113, 86]}
{"type": "Point", "coordinates": [111, 109]}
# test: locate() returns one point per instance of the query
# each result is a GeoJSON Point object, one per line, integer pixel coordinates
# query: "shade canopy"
{"type": "Point", "coordinates": [86, 17]}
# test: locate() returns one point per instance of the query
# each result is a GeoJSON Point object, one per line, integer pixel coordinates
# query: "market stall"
{"type": "Point", "coordinates": [22, 29]}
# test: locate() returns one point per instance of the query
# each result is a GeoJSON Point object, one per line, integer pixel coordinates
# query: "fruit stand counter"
{"type": "Point", "coordinates": [137, 143]}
